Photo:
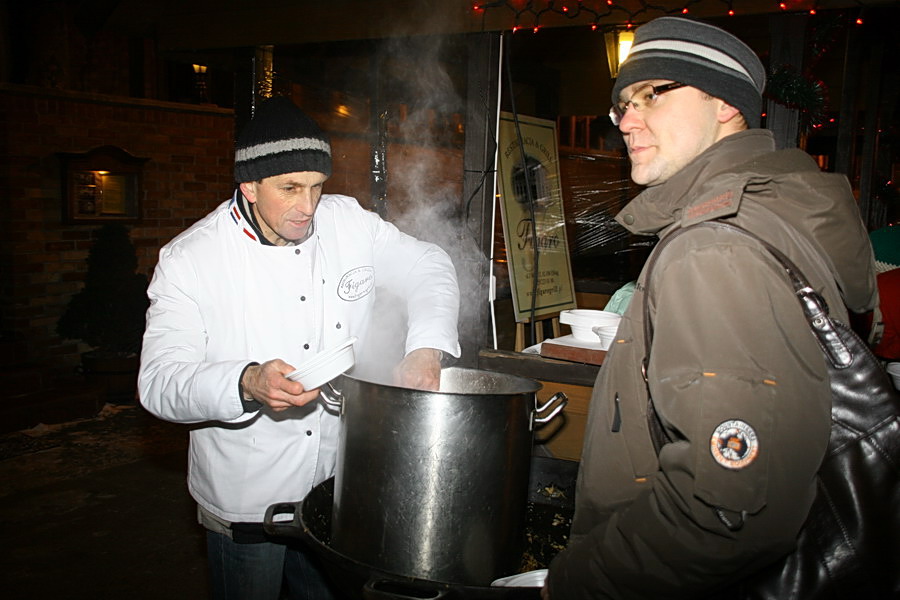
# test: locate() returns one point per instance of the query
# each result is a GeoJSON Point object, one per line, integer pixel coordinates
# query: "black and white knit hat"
{"type": "Point", "coordinates": [700, 55]}
{"type": "Point", "coordinates": [280, 138]}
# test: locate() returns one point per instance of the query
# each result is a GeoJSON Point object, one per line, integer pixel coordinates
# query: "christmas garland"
{"type": "Point", "coordinates": [788, 87]}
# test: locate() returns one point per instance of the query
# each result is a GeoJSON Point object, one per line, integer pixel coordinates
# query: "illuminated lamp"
{"type": "Point", "coordinates": [618, 45]}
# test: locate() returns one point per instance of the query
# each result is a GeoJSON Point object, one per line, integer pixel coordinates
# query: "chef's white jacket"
{"type": "Point", "coordinates": [220, 299]}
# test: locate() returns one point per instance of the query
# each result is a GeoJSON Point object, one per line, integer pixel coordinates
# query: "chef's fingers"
{"type": "Point", "coordinates": [283, 402]}
{"type": "Point", "coordinates": [420, 369]}
{"type": "Point", "coordinates": [267, 384]}
{"type": "Point", "coordinates": [421, 381]}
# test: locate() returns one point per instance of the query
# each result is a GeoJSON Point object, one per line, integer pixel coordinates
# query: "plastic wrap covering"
{"type": "Point", "coordinates": [595, 188]}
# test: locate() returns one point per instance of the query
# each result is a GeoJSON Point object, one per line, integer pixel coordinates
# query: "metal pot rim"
{"type": "Point", "coordinates": [522, 385]}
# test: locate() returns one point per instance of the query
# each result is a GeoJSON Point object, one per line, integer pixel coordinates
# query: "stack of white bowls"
{"type": "Point", "coordinates": [592, 325]}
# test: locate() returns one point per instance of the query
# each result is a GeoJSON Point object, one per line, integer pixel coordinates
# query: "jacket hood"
{"type": "Point", "coordinates": [660, 206]}
{"type": "Point", "coordinates": [743, 168]}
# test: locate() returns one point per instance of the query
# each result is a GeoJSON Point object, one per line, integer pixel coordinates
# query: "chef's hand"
{"type": "Point", "coordinates": [266, 383]}
{"type": "Point", "coordinates": [545, 592]}
{"type": "Point", "coordinates": [420, 369]}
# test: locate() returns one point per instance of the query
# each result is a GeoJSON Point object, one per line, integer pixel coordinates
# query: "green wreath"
{"type": "Point", "coordinates": [790, 88]}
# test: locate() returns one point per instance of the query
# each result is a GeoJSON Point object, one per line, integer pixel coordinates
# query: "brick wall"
{"type": "Point", "coordinates": [188, 172]}
{"type": "Point", "coordinates": [42, 258]}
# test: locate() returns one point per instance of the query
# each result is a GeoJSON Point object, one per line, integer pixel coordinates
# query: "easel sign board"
{"type": "Point", "coordinates": [555, 285]}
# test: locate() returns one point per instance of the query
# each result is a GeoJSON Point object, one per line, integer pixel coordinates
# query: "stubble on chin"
{"type": "Point", "coordinates": [651, 173]}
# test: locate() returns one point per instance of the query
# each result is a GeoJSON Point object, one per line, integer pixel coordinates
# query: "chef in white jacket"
{"type": "Point", "coordinates": [242, 298]}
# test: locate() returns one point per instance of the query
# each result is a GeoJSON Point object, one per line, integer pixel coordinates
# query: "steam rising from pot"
{"type": "Point", "coordinates": [424, 158]}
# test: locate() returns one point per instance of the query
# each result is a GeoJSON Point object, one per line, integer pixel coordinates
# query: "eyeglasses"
{"type": "Point", "coordinates": [643, 99]}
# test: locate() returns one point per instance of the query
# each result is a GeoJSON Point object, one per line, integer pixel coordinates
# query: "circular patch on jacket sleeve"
{"type": "Point", "coordinates": [734, 444]}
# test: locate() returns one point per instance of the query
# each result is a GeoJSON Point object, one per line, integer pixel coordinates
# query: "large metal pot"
{"type": "Point", "coordinates": [433, 485]}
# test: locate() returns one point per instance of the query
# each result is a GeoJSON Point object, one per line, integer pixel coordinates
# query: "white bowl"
{"type": "Point", "coordinates": [325, 366]}
{"type": "Point", "coordinates": [591, 325]}
{"type": "Point", "coordinates": [607, 335]}
{"type": "Point", "coordinates": [534, 578]}
{"type": "Point", "coordinates": [893, 370]}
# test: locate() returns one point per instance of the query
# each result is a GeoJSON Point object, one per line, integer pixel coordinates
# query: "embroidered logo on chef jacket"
{"type": "Point", "coordinates": [734, 444]}
{"type": "Point", "coordinates": [356, 283]}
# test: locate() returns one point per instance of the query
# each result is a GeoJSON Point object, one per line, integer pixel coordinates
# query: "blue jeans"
{"type": "Point", "coordinates": [257, 571]}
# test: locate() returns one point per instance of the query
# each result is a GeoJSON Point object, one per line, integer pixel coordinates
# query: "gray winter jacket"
{"type": "Point", "coordinates": [736, 377]}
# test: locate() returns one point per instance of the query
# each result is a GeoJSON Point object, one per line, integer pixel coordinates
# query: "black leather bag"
{"type": "Point", "coordinates": [849, 546]}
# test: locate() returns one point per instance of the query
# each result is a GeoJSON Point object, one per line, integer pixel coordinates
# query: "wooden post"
{"type": "Point", "coordinates": [539, 332]}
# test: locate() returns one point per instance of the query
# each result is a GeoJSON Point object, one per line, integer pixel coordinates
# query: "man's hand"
{"type": "Point", "coordinates": [545, 592]}
{"type": "Point", "coordinates": [267, 383]}
{"type": "Point", "coordinates": [420, 369]}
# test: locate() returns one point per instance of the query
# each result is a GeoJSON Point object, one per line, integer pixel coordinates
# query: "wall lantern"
{"type": "Point", "coordinates": [618, 45]}
{"type": "Point", "coordinates": [201, 84]}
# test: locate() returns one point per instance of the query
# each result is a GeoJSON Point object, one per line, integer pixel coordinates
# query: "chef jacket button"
{"type": "Point", "coordinates": [308, 432]}
{"type": "Point", "coordinates": [629, 219]}
{"type": "Point", "coordinates": [338, 326]}
{"type": "Point", "coordinates": [297, 251]}
{"type": "Point", "coordinates": [306, 346]}
{"type": "Point", "coordinates": [302, 298]}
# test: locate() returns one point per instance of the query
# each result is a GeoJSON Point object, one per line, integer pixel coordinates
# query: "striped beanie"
{"type": "Point", "coordinates": [280, 138]}
{"type": "Point", "coordinates": [699, 55]}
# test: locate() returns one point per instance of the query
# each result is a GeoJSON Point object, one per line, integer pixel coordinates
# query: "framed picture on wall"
{"type": "Point", "coordinates": [103, 184]}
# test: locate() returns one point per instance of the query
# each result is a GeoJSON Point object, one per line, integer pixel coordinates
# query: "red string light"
{"type": "Point", "coordinates": [528, 13]}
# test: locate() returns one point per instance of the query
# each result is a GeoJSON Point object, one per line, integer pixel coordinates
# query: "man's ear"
{"type": "Point", "coordinates": [249, 190]}
{"type": "Point", "coordinates": [726, 112]}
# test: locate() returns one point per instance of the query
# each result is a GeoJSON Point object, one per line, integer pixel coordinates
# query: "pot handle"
{"type": "Point", "coordinates": [391, 589]}
{"type": "Point", "coordinates": [283, 528]}
{"type": "Point", "coordinates": [559, 397]}
{"type": "Point", "coordinates": [333, 397]}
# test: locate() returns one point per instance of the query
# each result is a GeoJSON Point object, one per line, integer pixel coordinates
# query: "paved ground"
{"type": "Point", "coordinates": [99, 509]}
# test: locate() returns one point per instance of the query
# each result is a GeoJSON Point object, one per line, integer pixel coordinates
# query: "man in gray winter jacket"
{"type": "Point", "coordinates": [738, 382]}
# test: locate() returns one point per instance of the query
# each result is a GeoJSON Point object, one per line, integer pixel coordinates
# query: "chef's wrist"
{"type": "Point", "coordinates": [248, 402]}
{"type": "Point", "coordinates": [446, 360]}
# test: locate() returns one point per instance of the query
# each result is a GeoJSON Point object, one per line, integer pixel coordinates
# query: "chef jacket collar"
{"type": "Point", "coordinates": [249, 217]}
